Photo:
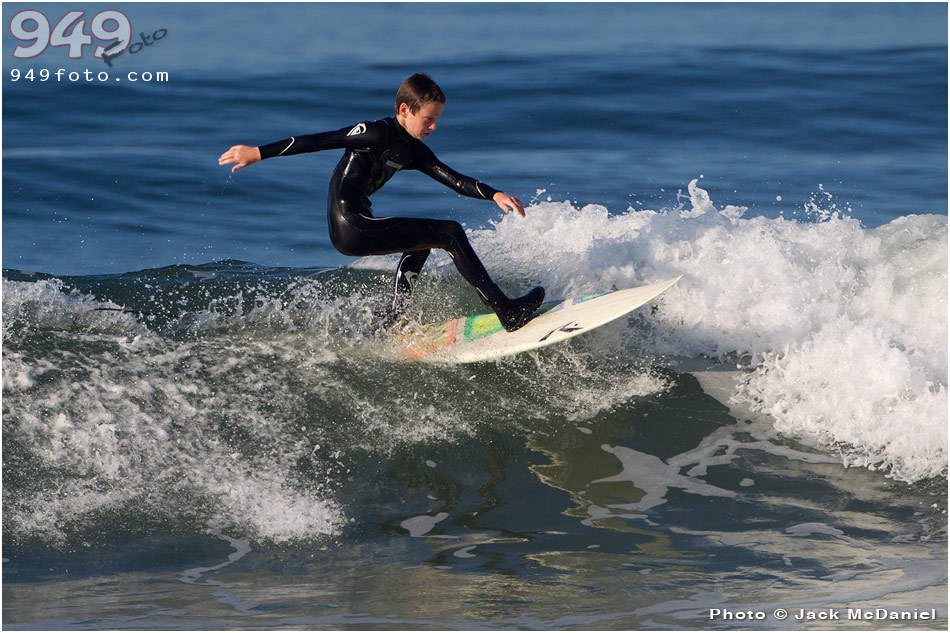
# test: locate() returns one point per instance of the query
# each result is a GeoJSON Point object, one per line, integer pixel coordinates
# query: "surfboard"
{"type": "Point", "coordinates": [481, 337]}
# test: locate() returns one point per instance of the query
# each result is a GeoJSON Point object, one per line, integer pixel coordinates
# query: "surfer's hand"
{"type": "Point", "coordinates": [509, 203]}
{"type": "Point", "coordinates": [240, 154]}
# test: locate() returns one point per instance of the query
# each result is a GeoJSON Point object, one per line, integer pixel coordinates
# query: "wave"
{"type": "Point", "coordinates": [229, 396]}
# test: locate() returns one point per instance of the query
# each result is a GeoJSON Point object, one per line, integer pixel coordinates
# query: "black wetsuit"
{"type": "Point", "coordinates": [375, 151]}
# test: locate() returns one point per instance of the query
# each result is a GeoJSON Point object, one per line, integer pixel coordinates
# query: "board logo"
{"type": "Point", "coordinates": [571, 326]}
{"type": "Point", "coordinates": [356, 131]}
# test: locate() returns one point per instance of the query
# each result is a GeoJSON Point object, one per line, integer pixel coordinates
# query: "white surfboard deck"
{"type": "Point", "coordinates": [481, 337]}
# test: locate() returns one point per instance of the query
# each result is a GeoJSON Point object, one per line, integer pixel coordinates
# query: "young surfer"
{"type": "Point", "coordinates": [375, 151]}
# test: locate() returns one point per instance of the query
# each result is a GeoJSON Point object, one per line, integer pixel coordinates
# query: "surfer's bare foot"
{"type": "Point", "coordinates": [519, 311]}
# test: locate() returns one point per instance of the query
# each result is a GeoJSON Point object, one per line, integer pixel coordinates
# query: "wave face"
{"type": "Point", "coordinates": [232, 397]}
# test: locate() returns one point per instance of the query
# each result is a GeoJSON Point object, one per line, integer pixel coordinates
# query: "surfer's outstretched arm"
{"type": "Point", "coordinates": [365, 134]}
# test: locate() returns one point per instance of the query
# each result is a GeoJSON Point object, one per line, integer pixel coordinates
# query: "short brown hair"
{"type": "Point", "coordinates": [417, 91]}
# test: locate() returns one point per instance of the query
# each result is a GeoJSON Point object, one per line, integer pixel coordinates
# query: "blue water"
{"type": "Point", "coordinates": [235, 450]}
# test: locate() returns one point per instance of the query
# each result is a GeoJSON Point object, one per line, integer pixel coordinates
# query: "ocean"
{"type": "Point", "coordinates": [202, 427]}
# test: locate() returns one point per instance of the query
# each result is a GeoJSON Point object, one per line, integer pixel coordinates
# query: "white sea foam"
{"type": "Point", "coordinates": [119, 419]}
{"type": "Point", "coordinates": [845, 326]}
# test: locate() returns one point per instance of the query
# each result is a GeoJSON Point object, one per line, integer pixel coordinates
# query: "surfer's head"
{"type": "Point", "coordinates": [418, 91]}
{"type": "Point", "coordinates": [419, 104]}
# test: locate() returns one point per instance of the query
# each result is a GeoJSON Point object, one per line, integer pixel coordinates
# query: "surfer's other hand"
{"type": "Point", "coordinates": [509, 203]}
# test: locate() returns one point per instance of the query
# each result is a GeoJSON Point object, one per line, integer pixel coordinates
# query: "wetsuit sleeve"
{"type": "Point", "coordinates": [428, 164]}
{"type": "Point", "coordinates": [361, 135]}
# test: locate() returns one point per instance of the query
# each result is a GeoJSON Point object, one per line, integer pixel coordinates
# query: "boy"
{"type": "Point", "coordinates": [375, 151]}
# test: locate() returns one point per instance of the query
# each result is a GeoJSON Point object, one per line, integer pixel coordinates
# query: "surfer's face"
{"type": "Point", "coordinates": [421, 123]}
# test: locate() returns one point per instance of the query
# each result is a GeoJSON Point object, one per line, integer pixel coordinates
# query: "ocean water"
{"type": "Point", "coordinates": [203, 430]}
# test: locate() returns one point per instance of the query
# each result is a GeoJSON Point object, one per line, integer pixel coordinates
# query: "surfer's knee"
{"type": "Point", "coordinates": [454, 233]}
{"type": "Point", "coordinates": [413, 261]}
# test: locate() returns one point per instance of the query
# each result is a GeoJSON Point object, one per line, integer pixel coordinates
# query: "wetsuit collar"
{"type": "Point", "coordinates": [400, 130]}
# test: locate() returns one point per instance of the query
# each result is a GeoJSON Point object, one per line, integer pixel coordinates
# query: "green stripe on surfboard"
{"type": "Point", "coordinates": [484, 324]}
